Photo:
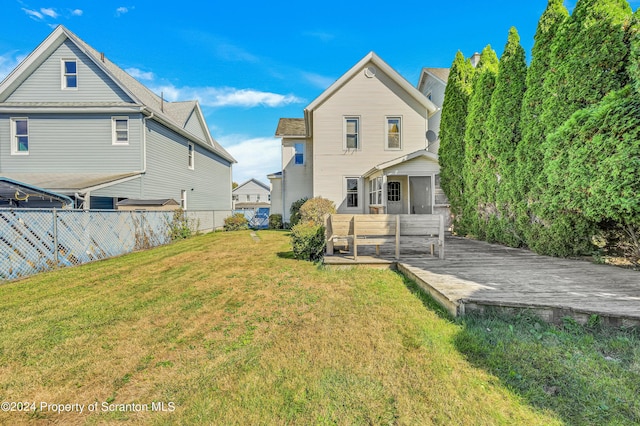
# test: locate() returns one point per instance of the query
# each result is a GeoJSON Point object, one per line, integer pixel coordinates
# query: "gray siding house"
{"type": "Point", "coordinates": [73, 122]}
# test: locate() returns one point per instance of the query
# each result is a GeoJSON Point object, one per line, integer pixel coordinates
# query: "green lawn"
{"type": "Point", "coordinates": [222, 329]}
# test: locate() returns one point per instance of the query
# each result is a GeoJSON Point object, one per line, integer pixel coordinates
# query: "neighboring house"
{"type": "Point", "coordinates": [251, 195]}
{"type": "Point", "coordinates": [364, 144]}
{"type": "Point", "coordinates": [15, 194]}
{"type": "Point", "coordinates": [74, 123]}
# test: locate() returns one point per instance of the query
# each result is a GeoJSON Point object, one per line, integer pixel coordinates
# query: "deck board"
{"type": "Point", "coordinates": [476, 274]}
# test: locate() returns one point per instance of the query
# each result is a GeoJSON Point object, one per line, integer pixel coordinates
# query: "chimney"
{"type": "Point", "coordinates": [475, 58]}
{"type": "Point", "coordinates": [102, 56]}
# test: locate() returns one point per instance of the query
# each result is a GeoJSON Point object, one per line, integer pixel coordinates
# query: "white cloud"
{"type": "Point", "coordinates": [121, 10]}
{"type": "Point", "coordinates": [227, 96]}
{"type": "Point", "coordinates": [50, 12]}
{"type": "Point", "coordinates": [139, 74]}
{"type": "Point", "coordinates": [77, 12]}
{"type": "Point", "coordinates": [8, 62]}
{"type": "Point", "coordinates": [33, 14]}
{"type": "Point", "coordinates": [257, 157]}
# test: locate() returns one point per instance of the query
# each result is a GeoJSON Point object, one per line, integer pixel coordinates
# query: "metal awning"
{"type": "Point", "coordinates": [23, 195]}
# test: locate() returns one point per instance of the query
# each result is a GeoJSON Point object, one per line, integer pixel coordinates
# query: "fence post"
{"type": "Point", "coordinates": [55, 238]}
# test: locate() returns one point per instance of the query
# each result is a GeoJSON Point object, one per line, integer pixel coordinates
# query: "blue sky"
{"type": "Point", "coordinates": [250, 63]}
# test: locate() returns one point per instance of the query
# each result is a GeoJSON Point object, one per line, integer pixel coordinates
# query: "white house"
{"type": "Point", "coordinates": [365, 144]}
{"type": "Point", "coordinates": [251, 195]}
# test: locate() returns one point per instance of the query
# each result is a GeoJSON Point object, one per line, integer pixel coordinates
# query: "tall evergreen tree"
{"type": "Point", "coordinates": [588, 59]}
{"type": "Point", "coordinates": [475, 161]}
{"type": "Point", "coordinates": [452, 128]}
{"type": "Point", "coordinates": [504, 135]}
{"type": "Point", "coordinates": [529, 155]}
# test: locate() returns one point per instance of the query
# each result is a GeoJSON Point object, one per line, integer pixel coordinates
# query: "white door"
{"type": "Point", "coordinates": [394, 197]}
{"type": "Point", "coordinates": [420, 194]}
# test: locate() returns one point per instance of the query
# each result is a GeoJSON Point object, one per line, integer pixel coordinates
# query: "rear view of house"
{"type": "Point", "coordinates": [364, 143]}
{"type": "Point", "coordinates": [73, 122]}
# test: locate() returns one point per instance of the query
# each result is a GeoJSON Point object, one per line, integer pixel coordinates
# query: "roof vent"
{"type": "Point", "coordinates": [370, 72]}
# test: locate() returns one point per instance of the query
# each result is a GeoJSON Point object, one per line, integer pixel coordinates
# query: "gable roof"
{"type": "Point", "coordinates": [371, 57]}
{"type": "Point", "coordinates": [423, 153]}
{"type": "Point", "coordinates": [257, 182]}
{"type": "Point", "coordinates": [441, 74]}
{"type": "Point", "coordinates": [171, 114]}
{"type": "Point", "coordinates": [291, 127]}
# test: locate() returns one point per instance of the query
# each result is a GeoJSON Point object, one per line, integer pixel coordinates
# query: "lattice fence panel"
{"type": "Point", "coordinates": [28, 238]}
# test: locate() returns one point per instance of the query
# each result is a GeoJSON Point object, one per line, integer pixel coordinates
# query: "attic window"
{"type": "Point", "coordinates": [69, 74]}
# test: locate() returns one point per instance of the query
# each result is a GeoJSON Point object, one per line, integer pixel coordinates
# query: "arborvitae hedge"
{"type": "Point", "coordinates": [503, 127]}
{"type": "Point", "coordinates": [475, 159]}
{"type": "Point", "coordinates": [529, 154]}
{"type": "Point", "coordinates": [452, 129]}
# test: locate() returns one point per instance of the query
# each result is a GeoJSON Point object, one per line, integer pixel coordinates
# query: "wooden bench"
{"type": "Point", "coordinates": [379, 229]}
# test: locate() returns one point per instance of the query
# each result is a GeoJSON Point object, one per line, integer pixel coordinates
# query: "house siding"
{"type": "Point", "coordinates": [253, 190]}
{"type": "Point", "coordinates": [297, 179]}
{"type": "Point", "coordinates": [436, 88]}
{"type": "Point", "coordinates": [72, 143]}
{"type": "Point", "coordinates": [194, 127]}
{"type": "Point", "coordinates": [372, 99]}
{"type": "Point", "coordinates": [167, 155]}
{"type": "Point", "coordinates": [44, 84]}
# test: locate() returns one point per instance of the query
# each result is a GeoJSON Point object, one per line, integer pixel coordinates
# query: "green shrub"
{"type": "Point", "coordinates": [181, 226]}
{"type": "Point", "coordinates": [236, 222]}
{"type": "Point", "coordinates": [275, 221]}
{"type": "Point", "coordinates": [315, 209]}
{"type": "Point", "coordinates": [295, 211]}
{"type": "Point", "coordinates": [308, 241]}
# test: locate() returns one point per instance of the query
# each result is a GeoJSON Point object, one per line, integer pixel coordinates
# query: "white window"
{"type": "Point", "coordinates": [298, 157]}
{"type": "Point", "coordinates": [120, 130]}
{"type": "Point", "coordinates": [394, 133]}
{"type": "Point", "coordinates": [192, 153]}
{"type": "Point", "coordinates": [258, 197]}
{"type": "Point", "coordinates": [393, 191]}
{"type": "Point", "coordinates": [352, 192]}
{"type": "Point", "coordinates": [375, 191]}
{"type": "Point", "coordinates": [19, 136]}
{"type": "Point", "coordinates": [351, 133]}
{"type": "Point", "coordinates": [248, 197]}
{"type": "Point", "coordinates": [69, 74]}
{"type": "Point", "coordinates": [183, 199]}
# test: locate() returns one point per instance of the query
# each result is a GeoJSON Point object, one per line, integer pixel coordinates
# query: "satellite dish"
{"type": "Point", "coordinates": [431, 136]}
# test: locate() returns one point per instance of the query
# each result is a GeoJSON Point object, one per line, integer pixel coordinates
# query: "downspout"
{"type": "Point", "coordinates": [144, 140]}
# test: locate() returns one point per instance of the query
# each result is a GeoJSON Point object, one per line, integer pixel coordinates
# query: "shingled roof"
{"type": "Point", "coordinates": [441, 73]}
{"type": "Point", "coordinates": [291, 127]}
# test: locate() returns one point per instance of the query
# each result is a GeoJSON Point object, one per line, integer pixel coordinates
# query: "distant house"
{"type": "Point", "coordinates": [251, 195]}
{"type": "Point", "coordinates": [74, 123]}
{"type": "Point", "coordinates": [364, 143]}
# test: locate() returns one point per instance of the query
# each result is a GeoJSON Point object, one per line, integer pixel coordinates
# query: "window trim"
{"type": "Point", "coordinates": [303, 153]}
{"type": "Point", "coordinates": [191, 153]}
{"type": "Point", "coordinates": [387, 133]}
{"type": "Point", "coordinates": [348, 192]}
{"type": "Point", "coordinates": [183, 199]}
{"type": "Point", "coordinates": [375, 191]}
{"type": "Point", "coordinates": [114, 130]}
{"type": "Point", "coordinates": [14, 136]}
{"type": "Point", "coordinates": [358, 132]}
{"type": "Point", "coordinates": [63, 74]}
{"type": "Point", "coordinates": [391, 188]}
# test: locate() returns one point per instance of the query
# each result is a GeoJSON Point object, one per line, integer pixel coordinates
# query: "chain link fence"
{"type": "Point", "coordinates": [33, 241]}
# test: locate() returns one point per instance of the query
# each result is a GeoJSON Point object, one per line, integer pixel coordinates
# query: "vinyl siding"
{"type": "Point", "coordinates": [276, 196]}
{"type": "Point", "coordinates": [436, 88]}
{"type": "Point", "coordinates": [194, 127]}
{"type": "Point", "coordinates": [297, 179]}
{"type": "Point", "coordinates": [44, 84]}
{"type": "Point", "coordinates": [168, 173]}
{"type": "Point", "coordinates": [72, 143]}
{"type": "Point", "coordinates": [251, 189]}
{"type": "Point", "coordinates": [372, 99]}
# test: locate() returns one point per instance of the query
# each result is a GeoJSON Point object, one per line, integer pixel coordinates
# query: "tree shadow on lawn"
{"type": "Point", "coordinates": [585, 374]}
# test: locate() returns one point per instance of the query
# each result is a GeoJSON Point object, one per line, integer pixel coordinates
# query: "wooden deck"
{"type": "Point", "coordinates": [475, 275]}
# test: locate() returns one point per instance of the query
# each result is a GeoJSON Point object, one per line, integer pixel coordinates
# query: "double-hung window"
{"type": "Point", "coordinates": [298, 156]}
{"type": "Point", "coordinates": [394, 133]}
{"type": "Point", "coordinates": [69, 74]}
{"type": "Point", "coordinates": [19, 136]}
{"type": "Point", "coordinates": [352, 133]}
{"type": "Point", "coordinates": [120, 130]}
{"type": "Point", "coordinates": [192, 153]}
{"type": "Point", "coordinates": [352, 192]}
